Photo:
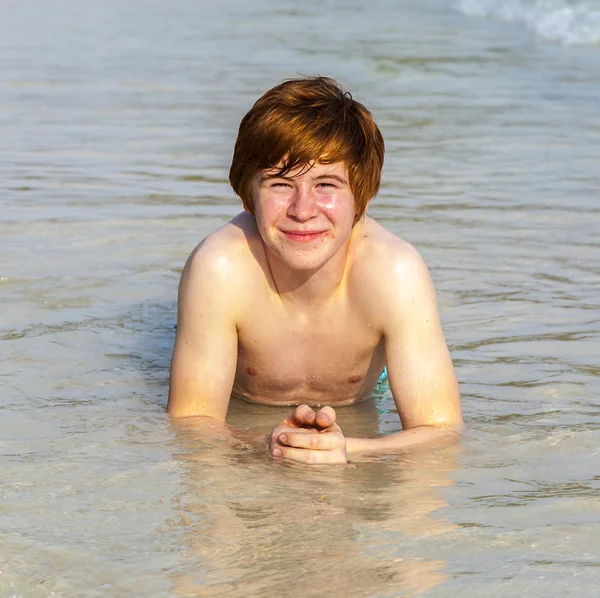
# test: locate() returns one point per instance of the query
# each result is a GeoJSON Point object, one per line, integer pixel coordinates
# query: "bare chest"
{"type": "Point", "coordinates": [333, 357]}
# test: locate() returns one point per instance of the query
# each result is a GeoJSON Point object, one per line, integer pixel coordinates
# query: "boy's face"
{"type": "Point", "coordinates": [306, 216]}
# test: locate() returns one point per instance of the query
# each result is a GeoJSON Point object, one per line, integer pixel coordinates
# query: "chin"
{"type": "Point", "coordinates": [304, 265]}
{"type": "Point", "coordinates": [301, 260]}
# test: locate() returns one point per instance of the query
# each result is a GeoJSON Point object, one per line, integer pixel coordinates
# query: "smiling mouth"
{"type": "Point", "coordinates": [303, 236]}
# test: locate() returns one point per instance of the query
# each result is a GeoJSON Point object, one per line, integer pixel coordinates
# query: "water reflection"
{"type": "Point", "coordinates": [251, 526]}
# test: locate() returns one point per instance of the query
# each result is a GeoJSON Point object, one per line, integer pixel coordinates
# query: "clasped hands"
{"type": "Point", "coordinates": [310, 437]}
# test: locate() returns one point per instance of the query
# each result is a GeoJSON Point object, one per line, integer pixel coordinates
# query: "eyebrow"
{"type": "Point", "coordinates": [331, 176]}
{"type": "Point", "coordinates": [268, 177]}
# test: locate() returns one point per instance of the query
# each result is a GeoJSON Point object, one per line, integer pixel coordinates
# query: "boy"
{"type": "Point", "coordinates": [302, 299]}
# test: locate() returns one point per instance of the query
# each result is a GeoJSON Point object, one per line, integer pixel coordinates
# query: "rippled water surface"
{"type": "Point", "coordinates": [117, 124]}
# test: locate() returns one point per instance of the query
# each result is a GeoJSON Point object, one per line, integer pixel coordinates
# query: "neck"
{"type": "Point", "coordinates": [309, 287]}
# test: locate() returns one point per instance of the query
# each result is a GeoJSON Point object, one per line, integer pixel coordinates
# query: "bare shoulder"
{"type": "Point", "coordinates": [220, 271]}
{"type": "Point", "coordinates": [223, 256]}
{"type": "Point", "coordinates": [389, 279]}
{"type": "Point", "coordinates": [381, 258]}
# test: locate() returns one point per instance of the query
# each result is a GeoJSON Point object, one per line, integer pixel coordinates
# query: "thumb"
{"type": "Point", "coordinates": [325, 418]}
{"type": "Point", "coordinates": [302, 417]}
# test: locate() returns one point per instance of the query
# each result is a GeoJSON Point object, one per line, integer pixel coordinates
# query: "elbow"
{"type": "Point", "coordinates": [172, 412]}
{"type": "Point", "coordinates": [175, 413]}
{"type": "Point", "coordinates": [460, 428]}
{"type": "Point", "coordinates": [175, 410]}
{"type": "Point", "coordinates": [172, 407]}
{"type": "Point", "coordinates": [455, 423]}
{"type": "Point", "coordinates": [178, 412]}
{"type": "Point", "coordinates": [454, 426]}
{"type": "Point", "coordinates": [452, 430]}
{"type": "Point", "coordinates": [181, 411]}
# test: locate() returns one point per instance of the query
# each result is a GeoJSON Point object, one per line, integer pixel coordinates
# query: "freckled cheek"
{"type": "Point", "coordinates": [337, 209]}
{"type": "Point", "coordinates": [331, 203]}
{"type": "Point", "coordinates": [275, 207]}
{"type": "Point", "coordinates": [269, 213]}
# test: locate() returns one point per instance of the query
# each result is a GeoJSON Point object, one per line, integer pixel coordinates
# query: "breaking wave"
{"type": "Point", "coordinates": [567, 22]}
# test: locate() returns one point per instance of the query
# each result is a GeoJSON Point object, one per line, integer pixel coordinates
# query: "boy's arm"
{"type": "Point", "coordinates": [205, 353]}
{"type": "Point", "coordinates": [420, 371]}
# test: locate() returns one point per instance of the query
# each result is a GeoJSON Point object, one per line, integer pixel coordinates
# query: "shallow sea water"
{"type": "Point", "coordinates": [117, 125]}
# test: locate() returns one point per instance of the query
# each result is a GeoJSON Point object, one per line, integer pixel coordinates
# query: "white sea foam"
{"type": "Point", "coordinates": [563, 21]}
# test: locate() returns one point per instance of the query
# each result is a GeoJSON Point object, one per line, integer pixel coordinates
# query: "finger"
{"type": "Point", "coordinates": [310, 457]}
{"type": "Point", "coordinates": [325, 418]}
{"type": "Point", "coordinates": [302, 416]}
{"type": "Point", "coordinates": [317, 442]}
{"type": "Point", "coordinates": [280, 432]}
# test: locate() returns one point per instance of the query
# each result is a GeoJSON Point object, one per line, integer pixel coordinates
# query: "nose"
{"type": "Point", "coordinates": [303, 206]}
